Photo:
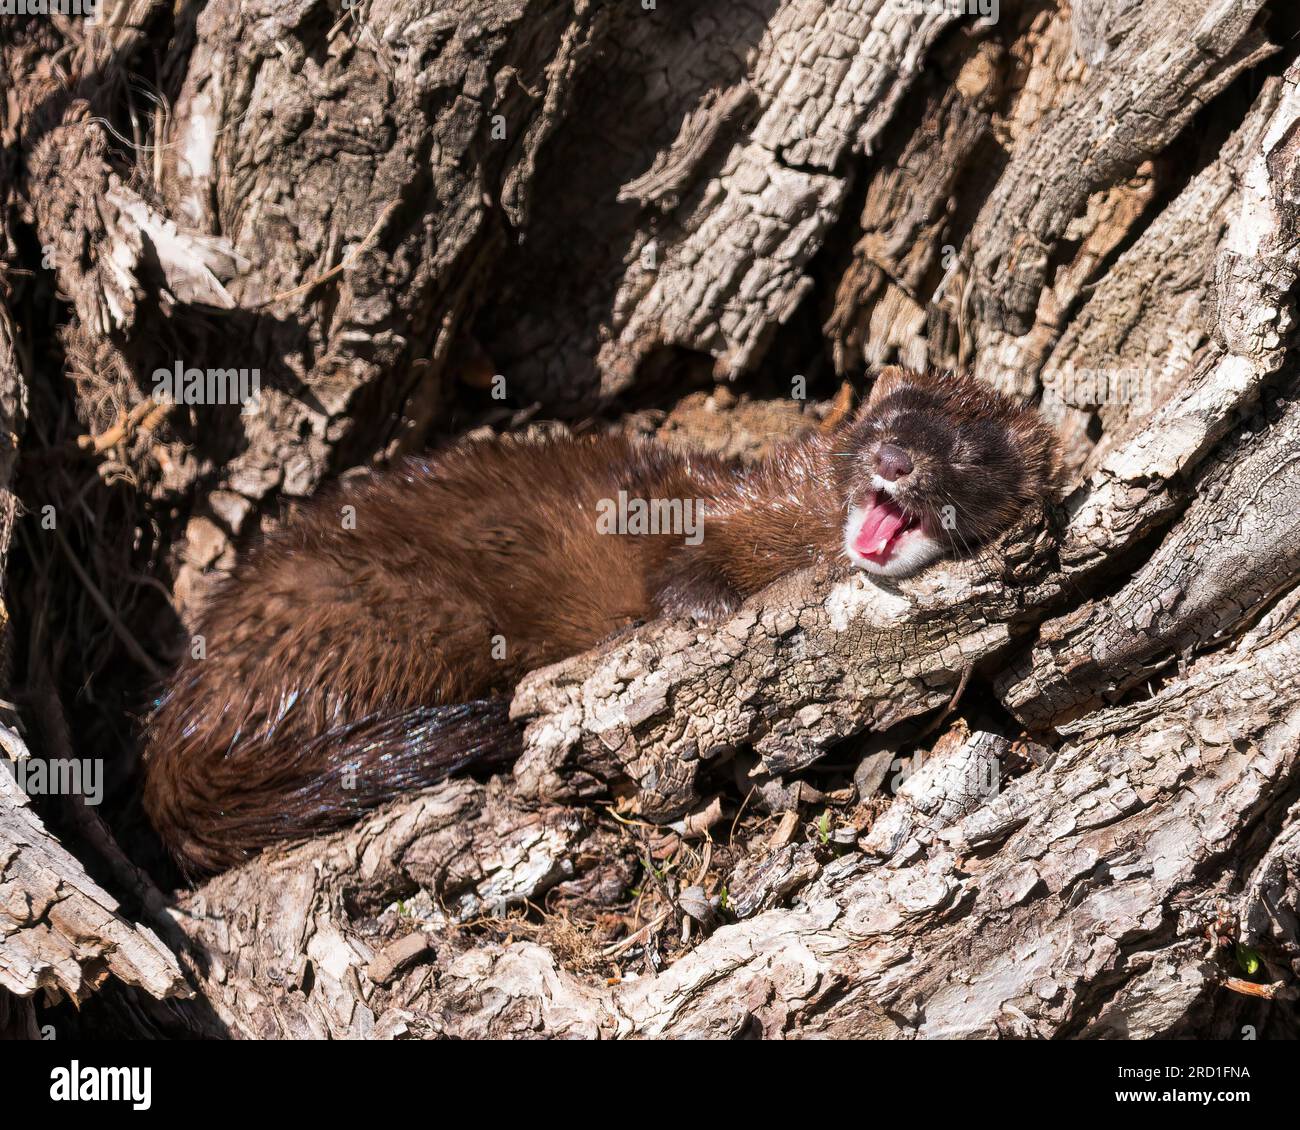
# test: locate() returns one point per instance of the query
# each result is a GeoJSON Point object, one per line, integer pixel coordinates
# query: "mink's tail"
{"type": "Point", "coordinates": [216, 807]}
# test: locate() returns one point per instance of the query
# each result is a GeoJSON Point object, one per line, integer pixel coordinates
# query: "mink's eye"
{"type": "Point", "coordinates": [977, 443]}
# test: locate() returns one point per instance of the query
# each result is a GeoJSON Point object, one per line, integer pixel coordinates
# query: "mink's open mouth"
{"type": "Point", "coordinates": [885, 538]}
{"type": "Point", "coordinates": [883, 523]}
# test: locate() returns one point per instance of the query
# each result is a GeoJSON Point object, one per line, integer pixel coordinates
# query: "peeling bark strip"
{"type": "Point", "coordinates": [387, 167]}
{"type": "Point", "coordinates": [1174, 58]}
{"type": "Point", "coordinates": [370, 202]}
{"type": "Point", "coordinates": [1237, 546]}
{"type": "Point", "coordinates": [399, 156]}
{"type": "Point", "coordinates": [1251, 317]}
{"type": "Point", "coordinates": [1149, 316]}
{"type": "Point", "coordinates": [59, 930]}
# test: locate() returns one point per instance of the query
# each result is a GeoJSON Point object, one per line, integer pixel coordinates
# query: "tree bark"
{"type": "Point", "coordinates": [1050, 791]}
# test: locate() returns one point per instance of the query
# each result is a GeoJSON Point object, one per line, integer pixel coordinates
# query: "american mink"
{"type": "Point", "coordinates": [370, 645]}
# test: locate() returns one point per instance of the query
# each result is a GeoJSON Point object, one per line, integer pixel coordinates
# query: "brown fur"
{"type": "Point", "coordinates": [335, 657]}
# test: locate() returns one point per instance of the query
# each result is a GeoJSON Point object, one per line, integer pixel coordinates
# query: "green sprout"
{"type": "Point", "coordinates": [1248, 959]}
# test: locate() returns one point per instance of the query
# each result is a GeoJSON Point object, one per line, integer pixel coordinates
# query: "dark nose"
{"type": "Point", "coordinates": [892, 462]}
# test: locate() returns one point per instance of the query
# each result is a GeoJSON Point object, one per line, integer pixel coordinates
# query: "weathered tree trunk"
{"type": "Point", "coordinates": [1050, 791]}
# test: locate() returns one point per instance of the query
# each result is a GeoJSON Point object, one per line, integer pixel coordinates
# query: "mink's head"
{"type": "Point", "coordinates": [934, 465]}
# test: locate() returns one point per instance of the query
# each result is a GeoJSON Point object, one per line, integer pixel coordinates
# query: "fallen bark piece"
{"type": "Point", "coordinates": [953, 780]}
{"type": "Point", "coordinates": [394, 958]}
{"type": "Point", "coordinates": [58, 929]}
{"type": "Point", "coordinates": [764, 881]}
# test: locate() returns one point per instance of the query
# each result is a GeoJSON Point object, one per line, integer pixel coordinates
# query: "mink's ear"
{"type": "Point", "coordinates": [887, 380]}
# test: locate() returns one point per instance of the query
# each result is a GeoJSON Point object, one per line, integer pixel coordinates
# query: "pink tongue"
{"type": "Point", "coordinates": [879, 527]}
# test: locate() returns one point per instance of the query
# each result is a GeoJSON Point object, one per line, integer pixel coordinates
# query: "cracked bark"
{"type": "Point", "coordinates": [1072, 903]}
{"type": "Point", "coordinates": [696, 191]}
